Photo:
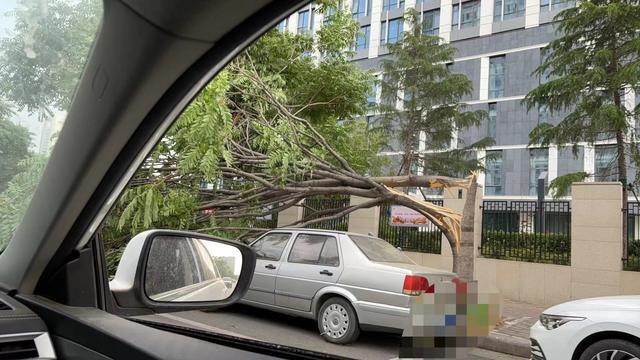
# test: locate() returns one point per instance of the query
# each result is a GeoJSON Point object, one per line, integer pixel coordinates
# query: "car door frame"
{"type": "Point", "coordinates": [263, 263]}
{"type": "Point", "coordinates": [300, 302]}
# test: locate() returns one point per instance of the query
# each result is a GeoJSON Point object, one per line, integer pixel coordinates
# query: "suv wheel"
{"type": "Point", "coordinates": [337, 321]}
{"type": "Point", "coordinates": [610, 349]}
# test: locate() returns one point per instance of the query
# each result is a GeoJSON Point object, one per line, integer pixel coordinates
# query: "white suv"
{"type": "Point", "coordinates": [605, 328]}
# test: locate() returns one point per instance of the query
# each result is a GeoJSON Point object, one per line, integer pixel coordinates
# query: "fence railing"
{"type": "Point", "coordinates": [316, 205]}
{"type": "Point", "coordinates": [529, 231]}
{"type": "Point", "coordinates": [631, 260]}
{"type": "Point", "coordinates": [425, 239]}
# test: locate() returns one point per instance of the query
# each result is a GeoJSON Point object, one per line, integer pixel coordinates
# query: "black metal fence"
{"type": "Point", "coordinates": [425, 239]}
{"type": "Point", "coordinates": [315, 207]}
{"type": "Point", "coordinates": [631, 261]}
{"type": "Point", "coordinates": [529, 231]}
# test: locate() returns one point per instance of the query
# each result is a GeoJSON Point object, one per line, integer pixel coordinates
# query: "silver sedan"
{"type": "Point", "coordinates": [345, 281]}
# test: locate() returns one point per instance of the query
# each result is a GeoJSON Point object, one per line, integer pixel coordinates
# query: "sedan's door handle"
{"type": "Point", "coordinates": [326, 272]}
{"type": "Point", "coordinates": [270, 266]}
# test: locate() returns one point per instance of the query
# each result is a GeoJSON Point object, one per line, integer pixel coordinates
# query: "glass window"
{"type": "Point", "coordinates": [455, 17]}
{"type": "Point", "coordinates": [494, 174]}
{"type": "Point", "coordinates": [508, 9]}
{"type": "Point", "coordinates": [491, 121]}
{"type": "Point", "coordinates": [360, 8]}
{"type": "Point", "coordinates": [392, 4]}
{"type": "Point", "coordinates": [282, 25]}
{"type": "Point", "coordinates": [543, 114]}
{"type": "Point", "coordinates": [496, 76]}
{"type": "Point", "coordinates": [538, 163]}
{"type": "Point", "coordinates": [379, 250]}
{"type": "Point", "coordinates": [303, 22]}
{"type": "Point", "coordinates": [362, 41]}
{"type": "Point", "coordinates": [391, 31]}
{"type": "Point", "coordinates": [544, 3]}
{"type": "Point", "coordinates": [310, 249]}
{"type": "Point", "coordinates": [431, 22]}
{"type": "Point", "coordinates": [329, 255]}
{"type": "Point", "coordinates": [372, 97]}
{"type": "Point", "coordinates": [270, 246]}
{"type": "Point", "coordinates": [605, 163]}
{"type": "Point", "coordinates": [470, 14]}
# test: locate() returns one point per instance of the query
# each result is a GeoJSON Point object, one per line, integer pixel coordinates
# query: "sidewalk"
{"type": "Point", "coordinates": [512, 336]}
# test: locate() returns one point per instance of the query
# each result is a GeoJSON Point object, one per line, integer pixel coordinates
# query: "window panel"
{"type": "Point", "coordinates": [282, 26]}
{"type": "Point", "coordinates": [494, 173]}
{"type": "Point", "coordinates": [383, 33]}
{"type": "Point", "coordinates": [544, 115]}
{"type": "Point", "coordinates": [362, 41]}
{"type": "Point", "coordinates": [497, 10]}
{"type": "Point", "coordinates": [455, 16]}
{"type": "Point", "coordinates": [605, 163]}
{"type": "Point", "coordinates": [307, 248]}
{"type": "Point", "coordinates": [303, 22]}
{"type": "Point", "coordinates": [513, 9]}
{"type": "Point", "coordinates": [431, 22]}
{"type": "Point", "coordinates": [470, 14]}
{"type": "Point", "coordinates": [360, 8]}
{"type": "Point", "coordinates": [395, 31]}
{"type": "Point", "coordinates": [496, 76]}
{"type": "Point", "coordinates": [270, 246]}
{"type": "Point", "coordinates": [329, 255]}
{"type": "Point", "coordinates": [491, 121]}
{"type": "Point", "coordinates": [392, 4]}
{"type": "Point", "coordinates": [538, 163]}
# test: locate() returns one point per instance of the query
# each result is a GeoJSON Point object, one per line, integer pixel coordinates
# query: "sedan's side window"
{"type": "Point", "coordinates": [314, 249]}
{"type": "Point", "coordinates": [270, 246]}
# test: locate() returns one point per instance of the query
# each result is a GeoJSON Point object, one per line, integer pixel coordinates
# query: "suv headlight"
{"type": "Point", "coordinates": [554, 321]}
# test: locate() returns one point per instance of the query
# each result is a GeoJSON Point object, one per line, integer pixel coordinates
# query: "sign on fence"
{"type": "Point", "coordinates": [404, 216]}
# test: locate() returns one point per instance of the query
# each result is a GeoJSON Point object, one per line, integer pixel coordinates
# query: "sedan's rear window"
{"type": "Point", "coordinates": [379, 250]}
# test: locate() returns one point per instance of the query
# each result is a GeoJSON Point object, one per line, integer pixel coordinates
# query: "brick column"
{"type": "Point", "coordinates": [596, 239]}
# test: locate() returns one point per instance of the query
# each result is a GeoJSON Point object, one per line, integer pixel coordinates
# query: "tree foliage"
{"type": "Point", "coordinates": [14, 147]}
{"type": "Point", "coordinates": [42, 59]}
{"type": "Point", "coordinates": [432, 111]}
{"type": "Point", "coordinates": [589, 69]}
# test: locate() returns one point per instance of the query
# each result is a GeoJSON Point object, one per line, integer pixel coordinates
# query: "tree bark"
{"type": "Point", "coordinates": [463, 263]}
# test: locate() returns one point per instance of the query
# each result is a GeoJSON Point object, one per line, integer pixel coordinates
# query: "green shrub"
{"type": "Point", "coordinates": [531, 247]}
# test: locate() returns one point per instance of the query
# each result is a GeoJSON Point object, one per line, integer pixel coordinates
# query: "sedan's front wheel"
{"type": "Point", "coordinates": [337, 321]}
{"type": "Point", "coordinates": [613, 349]}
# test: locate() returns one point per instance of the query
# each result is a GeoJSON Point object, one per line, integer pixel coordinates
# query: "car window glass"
{"type": "Point", "coordinates": [329, 255]}
{"type": "Point", "coordinates": [306, 249]}
{"type": "Point", "coordinates": [379, 250]}
{"type": "Point", "coordinates": [271, 246]}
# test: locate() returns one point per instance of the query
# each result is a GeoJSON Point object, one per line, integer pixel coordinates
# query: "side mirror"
{"type": "Point", "coordinates": [167, 270]}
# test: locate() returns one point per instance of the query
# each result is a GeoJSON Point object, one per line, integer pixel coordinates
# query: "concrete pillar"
{"type": "Point", "coordinates": [484, 78]}
{"type": "Point", "coordinates": [486, 17]}
{"type": "Point", "coordinates": [289, 216]}
{"type": "Point", "coordinates": [532, 13]}
{"type": "Point", "coordinates": [446, 11]}
{"type": "Point", "coordinates": [364, 221]}
{"type": "Point", "coordinates": [374, 35]}
{"type": "Point", "coordinates": [596, 239]}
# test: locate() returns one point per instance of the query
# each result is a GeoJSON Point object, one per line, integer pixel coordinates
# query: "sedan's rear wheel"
{"type": "Point", "coordinates": [612, 349]}
{"type": "Point", "coordinates": [337, 321]}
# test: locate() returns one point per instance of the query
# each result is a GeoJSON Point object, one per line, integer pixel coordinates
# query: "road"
{"type": "Point", "coordinates": [245, 321]}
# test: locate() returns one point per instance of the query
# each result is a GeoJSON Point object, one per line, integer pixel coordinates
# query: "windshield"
{"type": "Point", "coordinates": [379, 250]}
{"type": "Point", "coordinates": [43, 48]}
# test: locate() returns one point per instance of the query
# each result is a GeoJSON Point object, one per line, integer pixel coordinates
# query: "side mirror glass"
{"type": "Point", "coordinates": [185, 268]}
{"type": "Point", "coordinates": [167, 270]}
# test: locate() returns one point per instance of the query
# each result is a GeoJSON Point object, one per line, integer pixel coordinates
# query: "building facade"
{"type": "Point", "coordinates": [499, 44]}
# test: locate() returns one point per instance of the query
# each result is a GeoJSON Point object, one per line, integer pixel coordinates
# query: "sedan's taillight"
{"type": "Point", "coordinates": [416, 285]}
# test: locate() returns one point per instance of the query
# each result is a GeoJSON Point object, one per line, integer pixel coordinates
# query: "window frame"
{"type": "Point", "coordinates": [435, 29]}
{"type": "Point", "coordinates": [494, 93]}
{"type": "Point", "coordinates": [492, 169]}
{"type": "Point", "coordinates": [533, 180]}
{"type": "Point", "coordinates": [363, 34]}
{"type": "Point", "coordinates": [258, 257]}
{"type": "Point", "coordinates": [327, 236]}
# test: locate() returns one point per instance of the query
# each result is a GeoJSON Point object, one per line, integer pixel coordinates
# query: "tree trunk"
{"type": "Point", "coordinates": [463, 259]}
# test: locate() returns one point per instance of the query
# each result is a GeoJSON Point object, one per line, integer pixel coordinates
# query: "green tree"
{"type": "Point", "coordinates": [15, 199]}
{"type": "Point", "coordinates": [46, 52]}
{"type": "Point", "coordinates": [432, 110]}
{"type": "Point", "coordinates": [14, 147]}
{"type": "Point", "coordinates": [590, 68]}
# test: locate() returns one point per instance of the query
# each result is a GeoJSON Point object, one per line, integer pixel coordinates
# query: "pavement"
{"type": "Point", "coordinates": [512, 335]}
{"type": "Point", "coordinates": [254, 323]}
